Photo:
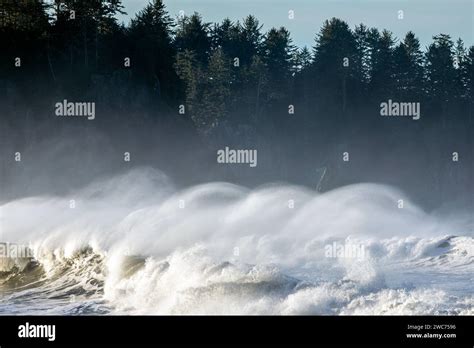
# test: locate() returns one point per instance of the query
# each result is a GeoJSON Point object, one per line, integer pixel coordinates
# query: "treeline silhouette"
{"type": "Point", "coordinates": [201, 86]}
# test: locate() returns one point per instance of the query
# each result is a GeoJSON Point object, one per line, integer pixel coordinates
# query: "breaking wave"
{"type": "Point", "coordinates": [134, 244]}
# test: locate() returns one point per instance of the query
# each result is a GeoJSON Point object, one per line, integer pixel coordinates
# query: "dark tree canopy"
{"type": "Point", "coordinates": [233, 82]}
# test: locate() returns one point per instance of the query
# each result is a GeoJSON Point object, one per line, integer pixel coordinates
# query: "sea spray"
{"type": "Point", "coordinates": [129, 246]}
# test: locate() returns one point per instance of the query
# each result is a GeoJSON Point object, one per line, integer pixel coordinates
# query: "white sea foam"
{"type": "Point", "coordinates": [136, 244]}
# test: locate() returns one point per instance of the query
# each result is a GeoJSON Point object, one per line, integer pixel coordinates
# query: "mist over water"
{"type": "Point", "coordinates": [135, 243]}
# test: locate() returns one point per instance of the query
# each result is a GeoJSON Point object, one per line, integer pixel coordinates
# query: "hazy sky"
{"type": "Point", "coordinates": [425, 17]}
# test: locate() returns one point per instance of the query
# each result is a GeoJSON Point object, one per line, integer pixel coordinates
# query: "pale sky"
{"type": "Point", "coordinates": [424, 17]}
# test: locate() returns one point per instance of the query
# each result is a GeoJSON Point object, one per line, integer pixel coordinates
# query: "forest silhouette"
{"type": "Point", "coordinates": [175, 90]}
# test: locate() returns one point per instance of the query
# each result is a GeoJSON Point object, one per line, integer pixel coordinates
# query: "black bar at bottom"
{"type": "Point", "coordinates": [236, 330]}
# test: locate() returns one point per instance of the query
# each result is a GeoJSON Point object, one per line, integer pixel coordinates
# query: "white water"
{"type": "Point", "coordinates": [129, 247]}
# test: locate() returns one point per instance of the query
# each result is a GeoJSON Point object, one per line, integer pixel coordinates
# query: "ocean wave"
{"type": "Point", "coordinates": [135, 244]}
